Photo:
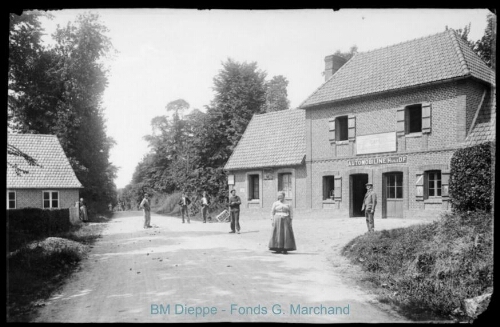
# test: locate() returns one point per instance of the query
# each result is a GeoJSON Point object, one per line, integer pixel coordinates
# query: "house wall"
{"type": "Point", "coordinates": [33, 198]}
{"type": "Point", "coordinates": [268, 183]}
{"type": "Point", "coordinates": [453, 106]}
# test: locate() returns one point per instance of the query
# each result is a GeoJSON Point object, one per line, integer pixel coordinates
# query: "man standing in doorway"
{"type": "Point", "coordinates": [147, 210]}
{"type": "Point", "coordinates": [369, 204]}
{"type": "Point", "coordinates": [234, 206]}
{"type": "Point", "coordinates": [183, 203]}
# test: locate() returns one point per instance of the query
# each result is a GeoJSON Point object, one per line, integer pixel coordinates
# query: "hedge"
{"type": "Point", "coordinates": [471, 178]}
{"type": "Point", "coordinates": [38, 222]}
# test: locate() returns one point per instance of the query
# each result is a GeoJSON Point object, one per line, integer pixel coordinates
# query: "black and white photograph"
{"type": "Point", "coordinates": [192, 165]}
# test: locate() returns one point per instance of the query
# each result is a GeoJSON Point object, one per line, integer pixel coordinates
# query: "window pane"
{"type": "Point", "coordinates": [392, 192]}
{"type": "Point", "coordinates": [54, 204]}
{"type": "Point", "coordinates": [46, 195]}
{"type": "Point", "coordinates": [55, 195]}
{"type": "Point", "coordinates": [341, 128]}
{"type": "Point", "coordinates": [46, 203]}
{"type": "Point", "coordinates": [12, 196]}
{"type": "Point", "coordinates": [399, 180]}
{"type": "Point", "coordinates": [413, 117]}
{"type": "Point", "coordinates": [399, 193]}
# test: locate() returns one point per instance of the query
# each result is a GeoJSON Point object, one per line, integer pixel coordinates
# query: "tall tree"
{"type": "Point", "coordinates": [349, 54]}
{"type": "Point", "coordinates": [276, 94]}
{"type": "Point", "coordinates": [60, 92]}
{"type": "Point", "coordinates": [484, 47]}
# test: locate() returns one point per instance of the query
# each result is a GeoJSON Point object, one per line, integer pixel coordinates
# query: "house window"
{"type": "Point", "coordinates": [433, 183]}
{"type": "Point", "coordinates": [328, 187]}
{"type": "Point", "coordinates": [341, 129]}
{"type": "Point", "coordinates": [413, 119]}
{"type": "Point", "coordinates": [50, 199]}
{"type": "Point", "coordinates": [285, 184]}
{"type": "Point", "coordinates": [253, 191]}
{"type": "Point", "coordinates": [11, 200]}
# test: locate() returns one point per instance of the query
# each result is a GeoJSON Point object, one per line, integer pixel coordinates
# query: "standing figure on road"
{"type": "Point", "coordinates": [282, 239]}
{"type": "Point", "coordinates": [83, 211]}
{"type": "Point", "coordinates": [204, 206]}
{"type": "Point", "coordinates": [183, 203]}
{"type": "Point", "coordinates": [147, 210]}
{"type": "Point", "coordinates": [234, 206]}
{"type": "Point", "coordinates": [369, 204]}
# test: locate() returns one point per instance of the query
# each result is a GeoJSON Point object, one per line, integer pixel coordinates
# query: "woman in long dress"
{"type": "Point", "coordinates": [83, 211]}
{"type": "Point", "coordinates": [282, 239]}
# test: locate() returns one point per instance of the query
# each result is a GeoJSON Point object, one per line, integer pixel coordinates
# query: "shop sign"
{"type": "Point", "coordinates": [376, 143]}
{"type": "Point", "coordinates": [378, 161]}
{"type": "Point", "coordinates": [268, 174]}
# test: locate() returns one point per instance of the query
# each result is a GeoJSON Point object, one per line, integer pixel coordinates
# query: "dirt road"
{"type": "Point", "coordinates": [199, 272]}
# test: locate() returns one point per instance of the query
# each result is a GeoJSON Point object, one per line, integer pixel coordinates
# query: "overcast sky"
{"type": "Point", "coordinates": [168, 54]}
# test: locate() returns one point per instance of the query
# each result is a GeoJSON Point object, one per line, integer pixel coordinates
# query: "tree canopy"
{"type": "Point", "coordinates": [58, 90]}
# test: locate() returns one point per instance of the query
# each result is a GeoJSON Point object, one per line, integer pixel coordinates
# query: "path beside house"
{"type": "Point", "coordinates": [206, 274]}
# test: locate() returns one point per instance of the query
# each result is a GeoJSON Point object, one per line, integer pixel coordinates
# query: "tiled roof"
{"type": "Point", "coordinates": [484, 129]}
{"type": "Point", "coordinates": [55, 170]}
{"type": "Point", "coordinates": [430, 59]}
{"type": "Point", "coordinates": [271, 140]}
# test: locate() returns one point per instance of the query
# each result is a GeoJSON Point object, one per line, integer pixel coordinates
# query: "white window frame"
{"type": "Point", "coordinates": [51, 192]}
{"type": "Point", "coordinates": [436, 189]}
{"type": "Point", "coordinates": [8, 199]}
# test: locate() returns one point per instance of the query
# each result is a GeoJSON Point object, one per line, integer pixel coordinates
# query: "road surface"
{"type": "Point", "coordinates": [199, 272]}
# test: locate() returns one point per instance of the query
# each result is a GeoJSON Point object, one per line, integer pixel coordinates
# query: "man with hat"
{"type": "Point", "coordinates": [369, 204]}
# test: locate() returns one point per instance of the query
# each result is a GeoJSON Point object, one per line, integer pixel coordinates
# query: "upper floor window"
{"type": "Point", "coordinates": [433, 183]}
{"type": "Point", "coordinates": [253, 184]}
{"type": "Point", "coordinates": [50, 199]}
{"type": "Point", "coordinates": [285, 184]}
{"type": "Point", "coordinates": [11, 200]}
{"type": "Point", "coordinates": [341, 129]}
{"type": "Point", "coordinates": [413, 119]}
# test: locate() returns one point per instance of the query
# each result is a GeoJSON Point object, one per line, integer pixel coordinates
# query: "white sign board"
{"type": "Point", "coordinates": [376, 143]}
{"type": "Point", "coordinates": [230, 179]}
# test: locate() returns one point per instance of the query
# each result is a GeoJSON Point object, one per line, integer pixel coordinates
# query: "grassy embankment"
{"type": "Point", "coordinates": [33, 274]}
{"type": "Point", "coordinates": [428, 270]}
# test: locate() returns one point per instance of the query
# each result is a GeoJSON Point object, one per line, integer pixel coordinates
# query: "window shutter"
{"type": "Point", "coordinates": [419, 186]}
{"type": "Point", "coordinates": [338, 188]}
{"type": "Point", "coordinates": [331, 128]}
{"type": "Point", "coordinates": [426, 117]}
{"type": "Point", "coordinates": [352, 128]}
{"type": "Point", "coordinates": [400, 124]}
{"type": "Point", "coordinates": [445, 180]}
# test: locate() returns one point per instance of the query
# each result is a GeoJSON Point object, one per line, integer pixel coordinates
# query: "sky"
{"type": "Point", "coordinates": [169, 54]}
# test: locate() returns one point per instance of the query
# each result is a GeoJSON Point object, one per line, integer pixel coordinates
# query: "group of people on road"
{"type": "Point", "coordinates": [282, 237]}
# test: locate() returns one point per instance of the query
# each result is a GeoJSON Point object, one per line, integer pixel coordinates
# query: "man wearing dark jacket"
{"type": "Point", "coordinates": [234, 206]}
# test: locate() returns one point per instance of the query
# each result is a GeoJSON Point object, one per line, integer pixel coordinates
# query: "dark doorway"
{"type": "Point", "coordinates": [357, 189]}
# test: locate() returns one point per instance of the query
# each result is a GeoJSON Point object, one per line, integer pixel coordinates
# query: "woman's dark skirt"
{"type": "Point", "coordinates": [282, 238]}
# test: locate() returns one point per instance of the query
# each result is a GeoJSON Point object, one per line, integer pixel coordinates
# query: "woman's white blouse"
{"type": "Point", "coordinates": [281, 208]}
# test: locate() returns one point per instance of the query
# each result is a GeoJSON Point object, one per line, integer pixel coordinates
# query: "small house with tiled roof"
{"type": "Point", "coordinates": [270, 157]}
{"type": "Point", "coordinates": [49, 185]}
{"type": "Point", "coordinates": [393, 117]}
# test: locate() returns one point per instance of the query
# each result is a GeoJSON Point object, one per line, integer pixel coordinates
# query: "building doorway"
{"type": "Point", "coordinates": [357, 189]}
{"type": "Point", "coordinates": [392, 195]}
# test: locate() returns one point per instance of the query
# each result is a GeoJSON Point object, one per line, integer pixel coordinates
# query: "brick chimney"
{"type": "Point", "coordinates": [332, 64]}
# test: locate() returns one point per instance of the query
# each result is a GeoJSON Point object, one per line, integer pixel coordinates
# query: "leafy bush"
{"type": "Point", "coordinates": [470, 178]}
{"type": "Point", "coordinates": [430, 268]}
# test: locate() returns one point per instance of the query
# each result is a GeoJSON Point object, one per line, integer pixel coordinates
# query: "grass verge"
{"type": "Point", "coordinates": [427, 271]}
{"type": "Point", "coordinates": [33, 274]}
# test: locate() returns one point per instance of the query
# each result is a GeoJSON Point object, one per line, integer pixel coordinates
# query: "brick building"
{"type": "Point", "coordinates": [393, 117]}
{"type": "Point", "coordinates": [53, 184]}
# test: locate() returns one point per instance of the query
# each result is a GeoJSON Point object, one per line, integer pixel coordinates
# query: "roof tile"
{"type": "Point", "coordinates": [55, 170]}
{"type": "Point", "coordinates": [271, 140]}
